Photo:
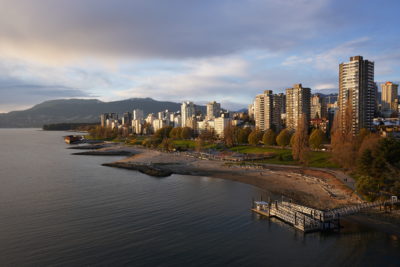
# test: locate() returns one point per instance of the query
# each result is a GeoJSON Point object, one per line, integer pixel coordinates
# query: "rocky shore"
{"type": "Point", "coordinates": [104, 153]}
{"type": "Point", "coordinates": [151, 170]}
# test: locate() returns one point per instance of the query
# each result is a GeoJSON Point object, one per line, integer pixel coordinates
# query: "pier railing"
{"type": "Point", "coordinates": [308, 219]}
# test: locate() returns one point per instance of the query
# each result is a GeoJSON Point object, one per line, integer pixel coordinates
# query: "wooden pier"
{"type": "Point", "coordinates": [308, 219]}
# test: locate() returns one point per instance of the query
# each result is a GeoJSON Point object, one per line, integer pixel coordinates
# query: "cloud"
{"type": "Point", "coordinates": [179, 49]}
{"type": "Point", "coordinates": [68, 29]}
{"type": "Point", "coordinates": [329, 59]}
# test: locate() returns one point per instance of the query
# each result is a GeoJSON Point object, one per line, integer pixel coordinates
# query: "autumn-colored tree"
{"type": "Point", "coordinates": [300, 148]}
{"type": "Point", "coordinates": [243, 135]}
{"type": "Point", "coordinates": [283, 138]}
{"type": "Point", "coordinates": [292, 140]}
{"type": "Point", "coordinates": [231, 134]}
{"type": "Point", "coordinates": [186, 133]}
{"type": "Point", "coordinates": [208, 135]}
{"type": "Point", "coordinates": [175, 133]}
{"type": "Point", "coordinates": [343, 141]}
{"type": "Point", "coordinates": [269, 137]}
{"type": "Point", "coordinates": [255, 137]}
{"type": "Point", "coordinates": [316, 139]}
{"type": "Point", "coordinates": [167, 144]}
{"type": "Point", "coordinates": [163, 132]}
{"type": "Point", "coordinates": [199, 145]}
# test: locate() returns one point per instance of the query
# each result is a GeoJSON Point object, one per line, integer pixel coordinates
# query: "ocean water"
{"type": "Point", "coordinates": [66, 210]}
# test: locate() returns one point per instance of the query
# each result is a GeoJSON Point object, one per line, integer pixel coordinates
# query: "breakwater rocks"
{"type": "Point", "coordinates": [149, 169]}
{"type": "Point", "coordinates": [105, 153]}
{"type": "Point", "coordinates": [87, 147]}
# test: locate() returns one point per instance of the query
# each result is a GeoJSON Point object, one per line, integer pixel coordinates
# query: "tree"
{"type": "Point", "coordinates": [255, 137]}
{"type": "Point", "coordinates": [167, 144]}
{"type": "Point", "coordinates": [243, 135]}
{"type": "Point", "coordinates": [269, 137]}
{"type": "Point", "coordinates": [316, 139]}
{"type": "Point", "coordinates": [292, 137]}
{"type": "Point", "coordinates": [186, 133]}
{"type": "Point", "coordinates": [199, 144]}
{"type": "Point", "coordinates": [283, 138]}
{"type": "Point", "coordinates": [300, 148]}
{"type": "Point", "coordinates": [163, 132]}
{"type": "Point", "coordinates": [231, 135]}
{"type": "Point", "coordinates": [175, 133]}
{"type": "Point", "coordinates": [208, 135]}
{"type": "Point", "coordinates": [343, 141]}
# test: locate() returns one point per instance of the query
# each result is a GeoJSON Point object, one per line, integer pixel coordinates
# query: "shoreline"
{"type": "Point", "coordinates": [317, 188]}
{"type": "Point", "coordinates": [312, 187]}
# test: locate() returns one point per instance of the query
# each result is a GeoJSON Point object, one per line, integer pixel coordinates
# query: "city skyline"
{"type": "Point", "coordinates": [204, 49]}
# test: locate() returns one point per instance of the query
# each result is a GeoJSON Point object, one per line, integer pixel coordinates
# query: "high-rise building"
{"type": "Point", "coordinates": [263, 110]}
{"type": "Point", "coordinates": [297, 104]}
{"type": "Point", "coordinates": [107, 116]}
{"type": "Point", "coordinates": [188, 110]}
{"type": "Point", "coordinates": [251, 110]}
{"type": "Point", "coordinates": [279, 107]}
{"type": "Point", "coordinates": [137, 126]}
{"type": "Point", "coordinates": [389, 98]}
{"type": "Point", "coordinates": [127, 118]}
{"type": "Point", "coordinates": [357, 89]}
{"type": "Point", "coordinates": [318, 107]}
{"type": "Point", "coordinates": [138, 114]}
{"type": "Point", "coordinates": [213, 110]}
{"type": "Point", "coordinates": [220, 124]}
{"type": "Point", "coordinates": [103, 119]}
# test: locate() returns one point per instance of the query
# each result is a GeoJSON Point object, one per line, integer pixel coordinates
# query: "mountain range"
{"type": "Point", "coordinates": [79, 110]}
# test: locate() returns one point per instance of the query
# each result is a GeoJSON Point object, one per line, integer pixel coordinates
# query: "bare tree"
{"type": "Point", "coordinates": [344, 142]}
{"type": "Point", "coordinates": [300, 148]}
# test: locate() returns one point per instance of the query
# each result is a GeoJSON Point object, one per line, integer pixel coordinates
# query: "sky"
{"type": "Point", "coordinates": [177, 50]}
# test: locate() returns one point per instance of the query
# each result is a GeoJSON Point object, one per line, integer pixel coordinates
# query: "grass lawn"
{"type": "Point", "coordinates": [318, 159]}
{"type": "Point", "coordinates": [185, 144]}
{"type": "Point", "coordinates": [191, 144]}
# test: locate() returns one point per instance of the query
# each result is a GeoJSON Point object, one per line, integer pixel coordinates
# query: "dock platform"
{"type": "Point", "coordinates": [308, 219]}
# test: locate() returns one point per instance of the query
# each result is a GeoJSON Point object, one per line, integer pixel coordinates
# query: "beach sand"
{"type": "Point", "coordinates": [315, 188]}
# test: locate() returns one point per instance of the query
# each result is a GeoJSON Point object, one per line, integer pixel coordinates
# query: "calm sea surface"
{"type": "Point", "coordinates": [60, 209]}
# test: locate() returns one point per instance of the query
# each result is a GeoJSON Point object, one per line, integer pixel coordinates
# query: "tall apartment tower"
{"type": "Point", "coordinates": [127, 118]}
{"type": "Point", "coordinates": [357, 88]}
{"type": "Point", "coordinates": [263, 110]}
{"type": "Point", "coordinates": [137, 114]}
{"type": "Point", "coordinates": [318, 107]}
{"type": "Point", "coordinates": [250, 110]}
{"type": "Point", "coordinates": [188, 110]}
{"type": "Point", "coordinates": [213, 110]}
{"type": "Point", "coordinates": [279, 107]}
{"type": "Point", "coordinates": [297, 104]}
{"type": "Point", "coordinates": [390, 96]}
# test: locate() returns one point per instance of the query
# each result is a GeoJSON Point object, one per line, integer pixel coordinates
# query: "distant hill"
{"type": "Point", "coordinates": [79, 110]}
